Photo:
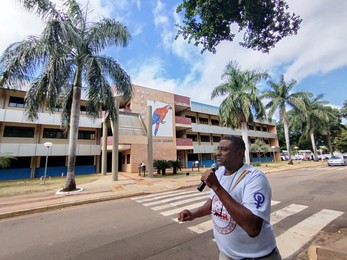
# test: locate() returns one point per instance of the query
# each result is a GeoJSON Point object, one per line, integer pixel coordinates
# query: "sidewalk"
{"type": "Point", "coordinates": [131, 184]}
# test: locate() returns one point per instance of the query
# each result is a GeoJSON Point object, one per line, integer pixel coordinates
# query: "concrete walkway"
{"type": "Point", "coordinates": [131, 184]}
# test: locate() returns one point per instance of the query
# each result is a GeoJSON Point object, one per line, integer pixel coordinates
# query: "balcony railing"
{"type": "Point", "coordinates": [182, 100]}
{"type": "Point", "coordinates": [183, 120]}
{"type": "Point", "coordinates": [184, 142]}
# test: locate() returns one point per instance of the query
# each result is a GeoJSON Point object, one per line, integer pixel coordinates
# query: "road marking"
{"type": "Point", "coordinates": [177, 210]}
{"type": "Point", "coordinates": [159, 196]}
{"type": "Point", "coordinates": [202, 227]}
{"type": "Point", "coordinates": [281, 214]}
{"type": "Point", "coordinates": [174, 204]}
{"type": "Point", "coordinates": [274, 202]}
{"type": "Point", "coordinates": [294, 238]}
{"type": "Point", "coordinates": [288, 243]}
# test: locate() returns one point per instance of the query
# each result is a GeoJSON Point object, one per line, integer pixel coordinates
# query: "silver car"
{"type": "Point", "coordinates": [338, 160]}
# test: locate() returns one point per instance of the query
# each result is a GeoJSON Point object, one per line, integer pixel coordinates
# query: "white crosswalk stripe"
{"type": "Point", "coordinates": [294, 238]}
{"type": "Point", "coordinates": [289, 242]}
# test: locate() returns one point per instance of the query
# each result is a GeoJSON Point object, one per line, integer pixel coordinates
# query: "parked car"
{"type": "Point", "coordinates": [338, 159]}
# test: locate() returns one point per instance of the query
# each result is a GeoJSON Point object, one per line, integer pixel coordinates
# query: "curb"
{"type": "Point", "coordinates": [315, 252]}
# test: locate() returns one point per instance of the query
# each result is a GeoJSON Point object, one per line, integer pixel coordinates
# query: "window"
{"type": "Point", "coordinates": [216, 139]}
{"type": "Point", "coordinates": [53, 161]}
{"type": "Point", "coordinates": [192, 118]}
{"type": "Point", "coordinates": [19, 131]}
{"type": "Point", "coordinates": [250, 127]}
{"type": "Point", "coordinates": [16, 102]}
{"type": "Point", "coordinates": [83, 110]}
{"type": "Point", "coordinates": [54, 133]}
{"type": "Point", "coordinates": [264, 129]}
{"type": "Point", "coordinates": [193, 137]}
{"type": "Point", "coordinates": [20, 162]}
{"type": "Point", "coordinates": [128, 158]}
{"type": "Point", "coordinates": [86, 135]}
{"type": "Point", "coordinates": [203, 121]}
{"type": "Point", "coordinates": [206, 156]}
{"type": "Point", "coordinates": [84, 160]}
{"type": "Point", "coordinates": [205, 138]}
{"type": "Point", "coordinates": [258, 128]}
{"type": "Point", "coordinates": [214, 122]}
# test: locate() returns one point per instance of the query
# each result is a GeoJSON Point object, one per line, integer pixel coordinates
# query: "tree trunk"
{"type": "Point", "coordinates": [70, 183]}
{"type": "Point", "coordinates": [244, 131]}
{"type": "Point", "coordinates": [315, 153]}
{"type": "Point", "coordinates": [286, 135]}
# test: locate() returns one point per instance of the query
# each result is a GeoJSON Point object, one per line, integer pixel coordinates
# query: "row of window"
{"type": "Point", "coordinates": [20, 102]}
{"type": "Point", "coordinates": [53, 161]}
{"type": "Point", "coordinates": [215, 139]}
{"type": "Point", "coordinates": [204, 121]}
{"type": "Point", "coordinates": [29, 132]}
{"type": "Point", "coordinates": [205, 138]}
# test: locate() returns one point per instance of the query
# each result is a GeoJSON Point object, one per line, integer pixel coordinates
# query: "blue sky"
{"type": "Point", "coordinates": [316, 57]}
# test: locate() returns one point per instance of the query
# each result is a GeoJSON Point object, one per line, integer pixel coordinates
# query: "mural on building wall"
{"type": "Point", "coordinates": [161, 119]}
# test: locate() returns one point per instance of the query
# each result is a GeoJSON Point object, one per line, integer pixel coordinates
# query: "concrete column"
{"type": "Point", "coordinates": [115, 141]}
{"type": "Point", "coordinates": [150, 141]}
{"type": "Point", "coordinates": [104, 149]}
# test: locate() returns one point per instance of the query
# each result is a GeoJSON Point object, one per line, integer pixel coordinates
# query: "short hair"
{"type": "Point", "coordinates": [237, 141]}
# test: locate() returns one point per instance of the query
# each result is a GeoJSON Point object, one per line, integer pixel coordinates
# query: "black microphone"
{"type": "Point", "coordinates": [202, 184]}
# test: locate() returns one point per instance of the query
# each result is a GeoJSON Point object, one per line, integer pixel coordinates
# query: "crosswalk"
{"type": "Point", "coordinates": [289, 242]}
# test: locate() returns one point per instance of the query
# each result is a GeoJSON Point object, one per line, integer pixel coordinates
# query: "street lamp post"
{"type": "Point", "coordinates": [273, 151]}
{"type": "Point", "coordinates": [46, 144]}
{"type": "Point", "coordinates": [321, 151]}
{"type": "Point", "coordinates": [296, 150]}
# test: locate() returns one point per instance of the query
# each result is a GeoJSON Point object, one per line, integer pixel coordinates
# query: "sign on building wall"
{"type": "Point", "coordinates": [161, 118]}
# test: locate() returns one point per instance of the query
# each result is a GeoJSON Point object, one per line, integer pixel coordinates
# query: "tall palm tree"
{"type": "Point", "coordinates": [242, 104]}
{"type": "Point", "coordinates": [65, 56]}
{"type": "Point", "coordinates": [317, 114]}
{"type": "Point", "coordinates": [280, 97]}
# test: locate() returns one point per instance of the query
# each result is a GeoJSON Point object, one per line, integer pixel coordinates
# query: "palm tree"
{"type": "Point", "coordinates": [280, 96]}
{"type": "Point", "coordinates": [65, 55]}
{"type": "Point", "coordinates": [242, 104]}
{"type": "Point", "coordinates": [5, 160]}
{"type": "Point", "coordinates": [317, 114]}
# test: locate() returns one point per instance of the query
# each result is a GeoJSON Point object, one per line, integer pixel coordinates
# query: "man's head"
{"type": "Point", "coordinates": [231, 150]}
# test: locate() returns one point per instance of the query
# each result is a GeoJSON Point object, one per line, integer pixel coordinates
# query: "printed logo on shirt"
{"type": "Point", "coordinates": [222, 221]}
{"type": "Point", "coordinates": [259, 199]}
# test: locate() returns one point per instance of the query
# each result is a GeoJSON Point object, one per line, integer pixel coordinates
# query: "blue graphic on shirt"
{"type": "Point", "coordinates": [259, 199]}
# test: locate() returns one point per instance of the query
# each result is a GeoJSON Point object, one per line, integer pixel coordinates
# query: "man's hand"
{"type": "Point", "coordinates": [185, 215]}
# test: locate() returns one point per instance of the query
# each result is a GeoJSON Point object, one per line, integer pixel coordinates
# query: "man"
{"type": "Point", "coordinates": [240, 205]}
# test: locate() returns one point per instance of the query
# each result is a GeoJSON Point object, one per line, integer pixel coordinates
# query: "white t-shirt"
{"type": "Point", "coordinates": [250, 187]}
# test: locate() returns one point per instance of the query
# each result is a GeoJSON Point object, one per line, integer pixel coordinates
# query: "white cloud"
{"type": "Point", "coordinates": [16, 24]}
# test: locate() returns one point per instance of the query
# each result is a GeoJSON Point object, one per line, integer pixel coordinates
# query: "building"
{"type": "Point", "coordinates": [175, 126]}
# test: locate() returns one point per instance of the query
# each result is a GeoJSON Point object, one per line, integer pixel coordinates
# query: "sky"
{"type": "Point", "coordinates": [316, 57]}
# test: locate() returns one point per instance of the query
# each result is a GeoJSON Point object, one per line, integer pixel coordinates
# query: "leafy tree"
{"type": "Point", "coordinates": [65, 56]}
{"type": "Point", "coordinates": [340, 142]}
{"type": "Point", "coordinates": [331, 128]}
{"type": "Point", "coordinates": [280, 96]}
{"type": "Point", "coordinates": [242, 104]}
{"type": "Point", "coordinates": [343, 110]}
{"type": "Point", "coordinates": [175, 164]}
{"type": "Point", "coordinates": [263, 23]}
{"type": "Point", "coordinates": [5, 160]}
{"type": "Point", "coordinates": [316, 113]}
{"type": "Point", "coordinates": [260, 148]}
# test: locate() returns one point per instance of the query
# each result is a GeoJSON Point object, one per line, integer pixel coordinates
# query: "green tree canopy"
{"type": "Point", "coordinates": [263, 22]}
{"type": "Point", "coordinates": [242, 104]}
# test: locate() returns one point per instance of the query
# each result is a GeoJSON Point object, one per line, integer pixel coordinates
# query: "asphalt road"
{"type": "Point", "coordinates": [145, 227]}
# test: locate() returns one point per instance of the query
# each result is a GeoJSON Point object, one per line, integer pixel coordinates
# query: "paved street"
{"type": "Point", "coordinates": [305, 203]}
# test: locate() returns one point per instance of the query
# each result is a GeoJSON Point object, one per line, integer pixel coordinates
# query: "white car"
{"type": "Point", "coordinates": [338, 160]}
